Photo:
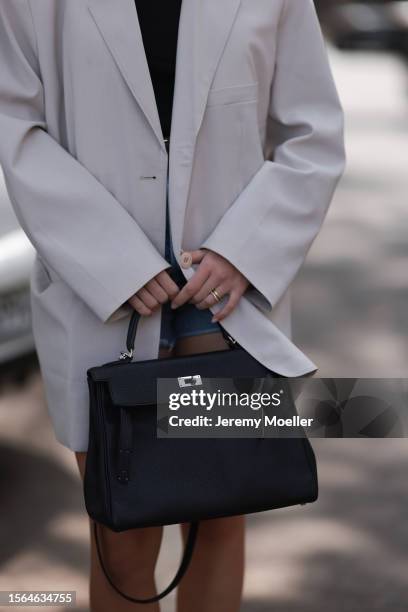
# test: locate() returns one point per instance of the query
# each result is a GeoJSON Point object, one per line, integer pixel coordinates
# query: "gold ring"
{"type": "Point", "coordinates": [216, 295]}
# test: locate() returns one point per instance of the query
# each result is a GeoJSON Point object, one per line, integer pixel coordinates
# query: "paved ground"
{"type": "Point", "coordinates": [348, 552]}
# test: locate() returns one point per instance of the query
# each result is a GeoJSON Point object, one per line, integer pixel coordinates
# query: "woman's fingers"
{"type": "Point", "coordinates": [156, 291]}
{"type": "Point", "coordinates": [198, 255]}
{"type": "Point", "coordinates": [139, 306]}
{"type": "Point", "coordinates": [213, 272]}
{"type": "Point", "coordinates": [204, 295]}
{"type": "Point", "coordinates": [208, 300]}
{"type": "Point", "coordinates": [233, 300]}
{"type": "Point", "coordinates": [147, 298]}
{"type": "Point", "coordinates": [167, 283]}
{"type": "Point", "coordinates": [191, 287]}
{"type": "Point", "coordinates": [212, 281]}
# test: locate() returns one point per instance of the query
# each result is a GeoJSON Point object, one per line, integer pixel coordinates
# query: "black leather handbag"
{"type": "Point", "coordinates": [133, 478]}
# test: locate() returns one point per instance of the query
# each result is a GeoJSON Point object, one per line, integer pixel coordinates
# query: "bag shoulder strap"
{"type": "Point", "coordinates": [185, 561]}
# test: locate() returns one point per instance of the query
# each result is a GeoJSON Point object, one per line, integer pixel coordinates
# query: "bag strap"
{"type": "Point", "coordinates": [131, 333]}
{"type": "Point", "coordinates": [185, 561]}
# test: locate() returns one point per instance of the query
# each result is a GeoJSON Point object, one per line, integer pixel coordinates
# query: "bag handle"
{"type": "Point", "coordinates": [131, 335]}
{"type": "Point", "coordinates": [185, 561]}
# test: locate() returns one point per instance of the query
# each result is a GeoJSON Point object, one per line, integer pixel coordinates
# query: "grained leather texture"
{"type": "Point", "coordinates": [174, 480]}
{"type": "Point", "coordinates": [134, 478]}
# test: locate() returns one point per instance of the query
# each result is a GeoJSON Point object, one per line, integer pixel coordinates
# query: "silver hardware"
{"type": "Point", "coordinates": [126, 355]}
{"type": "Point", "coordinates": [190, 381]}
{"type": "Point", "coordinates": [229, 339]}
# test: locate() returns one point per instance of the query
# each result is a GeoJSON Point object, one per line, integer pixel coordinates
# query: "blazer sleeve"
{"type": "Point", "coordinates": [77, 226]}
{"type": "Point", "coordinates": [268, 230]}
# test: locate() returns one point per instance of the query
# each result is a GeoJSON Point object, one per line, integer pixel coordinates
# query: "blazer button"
{"type": "Point", "coordinates": [186, 259]}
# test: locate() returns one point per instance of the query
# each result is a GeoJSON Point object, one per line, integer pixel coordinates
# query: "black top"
{"type": "Point", "coordinates": [159, 25]}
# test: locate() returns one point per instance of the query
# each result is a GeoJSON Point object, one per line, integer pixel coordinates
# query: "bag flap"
{"type": "Point", "coordinates": [135, 383]}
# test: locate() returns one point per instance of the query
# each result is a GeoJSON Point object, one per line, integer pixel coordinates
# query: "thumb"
{"type": "Point", "coordinates": [198, 255]}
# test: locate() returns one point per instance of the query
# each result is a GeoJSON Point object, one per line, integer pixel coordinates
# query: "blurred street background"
{"type": "Point", "coordinates": [349, 551]}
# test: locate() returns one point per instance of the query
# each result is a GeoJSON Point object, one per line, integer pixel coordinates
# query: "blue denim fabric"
{"type": "Point", "coordinates": [186, 320]}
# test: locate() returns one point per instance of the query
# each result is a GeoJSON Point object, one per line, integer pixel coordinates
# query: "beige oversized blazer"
{"type": "Point", "coordinates": [256, 152]}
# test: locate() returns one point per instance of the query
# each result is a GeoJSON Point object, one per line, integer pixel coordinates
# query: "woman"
{"type": "Point", "coordinates": [256, 151]}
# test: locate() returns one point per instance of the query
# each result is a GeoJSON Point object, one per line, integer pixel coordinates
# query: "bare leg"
{"type": "Point", "coordinates": [214, 579]}
{"type": "Point", "coordinates": [131, 557]}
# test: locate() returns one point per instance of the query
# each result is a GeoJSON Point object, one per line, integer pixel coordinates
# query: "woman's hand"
{"type": "Point", "coordinates": [156, 291]}
{"type": "Point", "coordinates": [213, 272]}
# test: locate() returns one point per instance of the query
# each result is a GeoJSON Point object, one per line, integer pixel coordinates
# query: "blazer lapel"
{"type": "Point", "coordinates": [119, 26]}
{"type": "Point", "coordinates": [203, 33]}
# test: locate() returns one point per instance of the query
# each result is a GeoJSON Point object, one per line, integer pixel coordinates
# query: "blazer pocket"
{"type": "Point", "coordinates": [233, 95]}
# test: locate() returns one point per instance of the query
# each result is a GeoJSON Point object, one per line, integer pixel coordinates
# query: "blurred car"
{"type": "Point", "coordinates": [400, 15]}
{"type": "Point", "coordinates": [368, 24]}
{"type": "Point", "coordinates": [16, 259]}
